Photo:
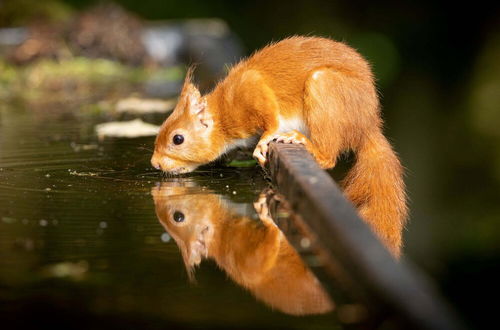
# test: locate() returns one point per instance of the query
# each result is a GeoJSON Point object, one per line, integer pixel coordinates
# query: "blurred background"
{"type": "Point", "coordinates": [438, 73]}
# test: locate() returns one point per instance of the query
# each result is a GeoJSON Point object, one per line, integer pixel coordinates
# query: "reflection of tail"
{"type": "Point", "coordinates": [375, 185]}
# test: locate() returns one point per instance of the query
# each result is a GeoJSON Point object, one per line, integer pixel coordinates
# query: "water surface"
{"type": "Point", "coordinates": [81, 244]}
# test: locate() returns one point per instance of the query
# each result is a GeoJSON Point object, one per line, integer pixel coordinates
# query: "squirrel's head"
{"type": "Point", "coordinates": [189, 136]}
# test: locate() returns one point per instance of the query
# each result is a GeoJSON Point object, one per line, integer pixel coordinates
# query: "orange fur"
{"type": "Point", "coordinates": [254, 254]}
{"type": "Point", "coordinates": [312, 91]}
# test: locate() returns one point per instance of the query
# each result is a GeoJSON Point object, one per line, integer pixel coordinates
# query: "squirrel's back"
{"type": "Point", "coordinates": [286, 65]}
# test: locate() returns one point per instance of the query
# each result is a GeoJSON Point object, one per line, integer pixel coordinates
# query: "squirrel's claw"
{"type": "Point", "coordinates": [260, 153]}
{"type": "Point", "coordinates": [292, 137]}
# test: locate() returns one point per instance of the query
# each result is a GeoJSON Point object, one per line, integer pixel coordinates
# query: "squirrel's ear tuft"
{"type": "Point", "coordinates": [188, 85]}
{"type": "Point", "coordinates": [195, 103]}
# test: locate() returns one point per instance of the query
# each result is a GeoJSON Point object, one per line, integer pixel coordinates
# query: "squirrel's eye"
{"type": "Point", "coordinates": [178, 216]}
{"type": "Point", "coordinates": [178, 139]}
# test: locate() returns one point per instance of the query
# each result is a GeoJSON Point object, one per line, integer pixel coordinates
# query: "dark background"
{"type": "Point", "coordinates": [438, 71]}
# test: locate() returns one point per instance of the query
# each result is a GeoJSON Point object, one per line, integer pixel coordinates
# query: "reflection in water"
{"type": "Point", "coordinates": [255, 254]}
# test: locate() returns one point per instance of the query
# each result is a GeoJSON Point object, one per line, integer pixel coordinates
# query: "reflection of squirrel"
{"type": "Point", "coordinates": [312, 91]}
{"type": "Point", "coordinates": [255, 254]}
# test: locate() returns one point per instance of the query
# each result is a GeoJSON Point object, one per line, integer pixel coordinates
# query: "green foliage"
{"type": "Point", "coordinates": [73, 77]}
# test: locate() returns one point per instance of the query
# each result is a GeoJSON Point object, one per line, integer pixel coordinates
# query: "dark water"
{"type": "Point", "coordinates": [81, 245]}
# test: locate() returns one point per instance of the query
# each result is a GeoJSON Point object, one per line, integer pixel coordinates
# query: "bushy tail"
{"type": "Point", "coordinates": [375, 185]}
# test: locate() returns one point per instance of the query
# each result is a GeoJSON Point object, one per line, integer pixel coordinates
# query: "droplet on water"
{"type": "Point", "coordinates": [165, 237]}
{"type": "Point", "coordinates": [305, 242]}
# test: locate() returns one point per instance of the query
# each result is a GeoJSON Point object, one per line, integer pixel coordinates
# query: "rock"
{"type": "Point", "coordinates": [127, 129]}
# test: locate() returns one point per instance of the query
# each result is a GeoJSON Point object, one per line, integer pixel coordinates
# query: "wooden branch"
{"type": "Point", "coordinates": [364, 264]}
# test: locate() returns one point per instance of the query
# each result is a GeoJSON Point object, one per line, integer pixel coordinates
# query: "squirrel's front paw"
{"type": "Point", "coordinates": [260, 151]}
{"type": "Point", "coordinates": [294, 137]}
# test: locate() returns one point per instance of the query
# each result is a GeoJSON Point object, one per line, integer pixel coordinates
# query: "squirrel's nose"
{"type": "Point", "coordinates": [156, 164]}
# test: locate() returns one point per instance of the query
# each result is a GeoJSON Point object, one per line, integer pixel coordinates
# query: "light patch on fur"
{"type": "Point", "coordinates": [316, 75]}
{"type": "Point", "coordinates": [290, 124]}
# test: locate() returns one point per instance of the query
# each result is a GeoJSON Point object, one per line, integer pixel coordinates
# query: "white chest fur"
{"type": "Point", "coordinates": [290, 124]}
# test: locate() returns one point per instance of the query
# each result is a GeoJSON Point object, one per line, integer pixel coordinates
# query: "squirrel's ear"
{"type": "Point", "coordinates": [196, 103]}
{"type": "Point", "coordinates": [203, 116]}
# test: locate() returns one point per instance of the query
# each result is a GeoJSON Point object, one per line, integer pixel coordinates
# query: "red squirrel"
{"type": "Point", "coordinates": [306, 90]}
{"type": "Point", "coordinates": [255, 254]}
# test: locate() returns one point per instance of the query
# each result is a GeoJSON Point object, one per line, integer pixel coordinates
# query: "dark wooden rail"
{"type": "Point", "coordinates": [357, 258]}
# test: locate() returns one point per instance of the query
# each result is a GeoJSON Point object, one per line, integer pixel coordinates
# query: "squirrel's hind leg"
{"type": "Point", "coordinates": [332, 102]}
